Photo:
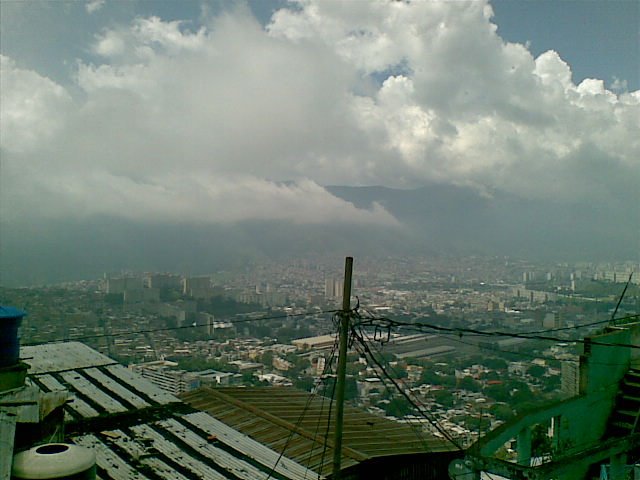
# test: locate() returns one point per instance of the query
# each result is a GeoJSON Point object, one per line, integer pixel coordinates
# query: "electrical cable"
{"type": "Point", "coordinates": [323, 395]}
{"type": "Point", "coordinates": [181, 327]}
{"type": "Point", "coordinates": [326, 433]}
{"type": "Point", "coordinates": [297, 425]}
{"type": "Point", "coordinates": [575, 327]}
{"type": "Point", "coordinates": [462, 330]}
{"type": "Point", "coordinates": [361, 336]}
{"type": "Point", "coordinates": [418, 432]}
{"type": "Point", "coordinates": [613, 315]}
{"type": "Point", "coordinates": [455, 338]}
{"type": "Point", "coordinates": [443, 432]}
{"type": "Point", "coordinates": [434, 423]}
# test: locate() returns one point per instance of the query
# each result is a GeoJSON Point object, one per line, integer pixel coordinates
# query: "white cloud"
{"type": "Point", "coordinates": [32, 108]}
{"type": "Point", "coordinates": [618, 85]}
{"type": "Point", "coordinates": [201, 123]}
{"type": "Point", "coordinates": [94, 5]}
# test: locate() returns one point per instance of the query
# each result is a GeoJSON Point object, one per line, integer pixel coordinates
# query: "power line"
{"type": "Point", "coordinates": [326, 433]}
{"type": "Point", "coordinates": [315, 434]}
{"type": "Point", "coordinates": [388, 323]}
{"type": "Point", "coordinates": [433, 422]}
{"type": "Point", "coordinates": [450, 333]}
{"type": "Point", "coordinates": [418, 432]}
{"type": "Point", "coordinates": [484, 346]}
{"type": "Point", "coordinates": [575, 327]}
{"type": "Point", "coordinates": [364, 344]}
{"type": "Point", "coordinates": [333, 393]}
{"type": "Point", "coordinates": [182, 327]}
{"type": "Point", "coordinates": [300, 418]}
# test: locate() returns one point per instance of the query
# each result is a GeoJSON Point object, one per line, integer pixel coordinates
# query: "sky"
{"type": "Point", "coordinates": [221, 112]}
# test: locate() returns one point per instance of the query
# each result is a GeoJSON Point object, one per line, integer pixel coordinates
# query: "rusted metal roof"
{"type": "Point", "coordinates": [282, 417]}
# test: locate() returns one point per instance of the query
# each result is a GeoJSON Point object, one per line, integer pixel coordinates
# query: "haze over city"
{"type": "Point", "coordinates": [189, 136]}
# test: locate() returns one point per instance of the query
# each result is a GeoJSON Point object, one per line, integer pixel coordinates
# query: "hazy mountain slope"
{"type": "Point", "coordinates": [435, 219]}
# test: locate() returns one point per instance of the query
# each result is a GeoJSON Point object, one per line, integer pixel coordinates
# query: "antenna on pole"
{"type": "Point", "coordinates": [345, 317]}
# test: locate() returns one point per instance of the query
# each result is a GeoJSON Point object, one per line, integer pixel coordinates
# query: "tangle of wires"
{"type": "Point", "coordinates": [324, 396]}
{"type": "Point", "coordinates": [363, 346]}
{"type": "Point", "coordinates": [326, 371]}
{"type": "Point", "coordinates": [386, 324]}
{"type": "Point", "coordinates": [464, 340]}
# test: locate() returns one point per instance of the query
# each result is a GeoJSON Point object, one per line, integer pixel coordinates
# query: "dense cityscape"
{"type": "Point", "coordinates": [272, 325]}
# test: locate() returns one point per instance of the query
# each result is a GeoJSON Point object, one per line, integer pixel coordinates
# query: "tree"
{"type": "Point", "coordinates": [267, 358]}
{"type": "Point", "coordinates": [495, 363]}
{"type": "Point", "coordinates": [468, 383]}
{"type": "Point", "coordinates": [398, 407]}
{"type": "Point", "coordinates": [498, 392]}
{"type": "Point", "coordinates": [444, 398]}
{"type": "Point", "coordinates": [501, 411]}
{"type": "Point", "coordinates": [551, 383]}
{"type": "Point", "coordinates": [536, 371]}
{"type": "Point", "coordinates": [430, 377]}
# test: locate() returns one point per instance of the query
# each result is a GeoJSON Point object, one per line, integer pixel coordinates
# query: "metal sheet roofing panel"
{"type": "Point", "coordinates": [7, 435]}
{"type": "Point", "coordinates": [116, 387]}
{"type": "Point", "coordinates": [77, 404]}
{"type": "Point", "coordinates": [270, 415]}
{"type": "Point", "coordinates": [138, 383]}
{"type": "Point", "coordinates": [171, 450]}
{"type": "Point", "coordinates": [237, 467]}
{"type": "Point", "coordinates": [249, 447]}
{"type": "Point", "coordinates": [84, 386]}
{"type": "Point", "coordinates": [56, 357]}
{"type": "Point", "coordinates": [108, 460]}
{"type": "Point", "coordinates": [140, 453]}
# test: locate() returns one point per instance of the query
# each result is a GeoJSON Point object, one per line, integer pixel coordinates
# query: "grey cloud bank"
{"type": "Point", "coordinates": [199, 125]}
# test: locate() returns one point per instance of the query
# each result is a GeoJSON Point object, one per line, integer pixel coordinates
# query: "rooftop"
{"type": "Point", "coordinates": [286, 417]}
{"type": "Point", "coordinates": [139, 431]}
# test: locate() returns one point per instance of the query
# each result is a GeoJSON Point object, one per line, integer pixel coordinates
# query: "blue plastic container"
{"type": "Point", "coordinates": [10, 319]}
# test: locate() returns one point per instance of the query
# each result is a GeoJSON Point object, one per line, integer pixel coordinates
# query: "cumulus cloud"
{"type": "Point", "coordinates": [176, 123]}
{"type": "Point", "coordinates": [94, 5]}
{"type": "Point", "coordinates": [33, 108]}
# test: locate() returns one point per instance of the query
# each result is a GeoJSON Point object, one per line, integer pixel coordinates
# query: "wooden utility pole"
{"type": "Point", "coordinates": [345, 317]}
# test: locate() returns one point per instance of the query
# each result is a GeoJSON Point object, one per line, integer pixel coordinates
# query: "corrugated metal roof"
{"type": "Point", "coordinates": [57, 357]}
{"type": "Point", "coordinates": [242, 443]}
{"type": "Point", "coordinates": [81, 385]}
{"type": "Point", "coordinates": [108, 460]}
{"type": "Point", "coordinates": [7, 434]}
{"type": "Point", "coordinates": [137, 383]}
{"type": "Point", "coordinates": [270, 415]}
{"type": "Point", "coordinates": [426, 352]}
{"type": "Point", "coordinates": [152, 431]}
{"type": "Point", "coordinates": [77, 405]}
{"type": "Point", "coordinates": [117, 388]}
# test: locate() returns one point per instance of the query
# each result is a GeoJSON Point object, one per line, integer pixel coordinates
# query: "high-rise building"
{"type": "Point", "coordinates": [198, 287]}
{"type": "Point", "coordinates": [163, 374]}
{"type": "Point", "coordinates": [121, 284]}
{"type": "Point", "coordinates": [570, 378]}
{"type": "Point", "coordinates": [333, 288]}
{"type": "Point", "coordinates": [164, 280]}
